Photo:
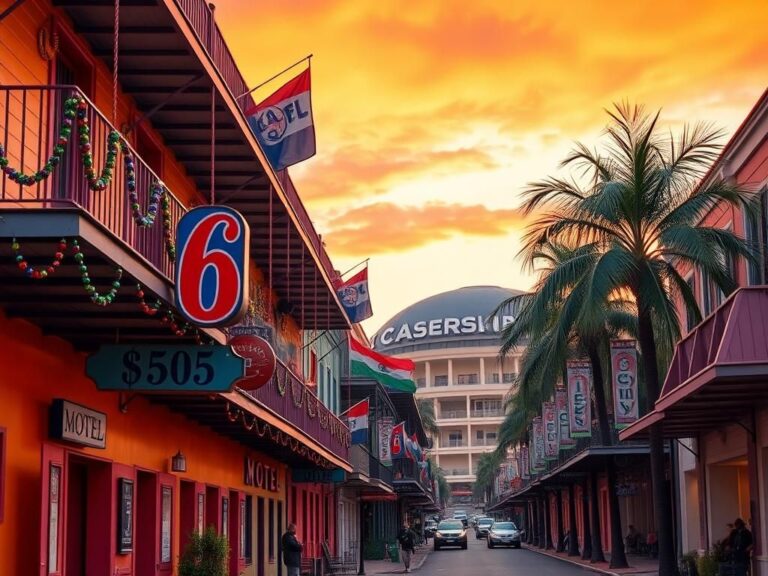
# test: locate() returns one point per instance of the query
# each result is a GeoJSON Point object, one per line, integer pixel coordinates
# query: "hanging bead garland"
{"type": "Point", "coordinates": [157, 190]}
{"type": "Point", "coordinates": [148, 309]}
{"type": "Point", "coordinates": [33, 272]}
{"type": "Point", "coordinates": [168, 318]}
{"type": "Point", "coordinates": [70, 108]}
{"type": "Point", "coordinates": [84, 132]}
{"type": "Point", "coordinates": [170, 245]}
{"type": "Point", "coordinates": [96, 298]}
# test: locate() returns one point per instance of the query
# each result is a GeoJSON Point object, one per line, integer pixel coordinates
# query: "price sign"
{"type": "Point", "coordinates": [165, 368]}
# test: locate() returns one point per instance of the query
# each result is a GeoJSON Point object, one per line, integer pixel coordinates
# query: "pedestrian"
{"type": "Point", "coordinates": [740, 543]}
{"type": "Point", "coordinates": [407, 539]}
{"type": "Point", "coordinates": [292, 550]}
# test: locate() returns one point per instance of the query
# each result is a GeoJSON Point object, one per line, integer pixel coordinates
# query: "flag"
{"type": "Point", "coordinates": [353, 294]}
{"type": "Point", "coordinates": [413, 448]}
{"type": "Point", "coordinates": [549, 420]}
{"type": "Point", "coordinates": [395, 373]}
{"type": "Point", "coordinates": [283, 123]}
{"type": "Point", "coordinates": [357, 417]}
{"type": "Point", "coordinates": [397, 445]}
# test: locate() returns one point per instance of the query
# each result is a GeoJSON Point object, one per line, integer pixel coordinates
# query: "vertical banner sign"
{"type": "Point", "coordinates": [563, 420]}
{"type": "Point", "coordinates": [212, 246]}
{"type": "Point", "coordinates": [385, 425]}
{"type": "Point", "coordinates": [525, 467]}
{"type": "Point", "coordinates": [624, 373]}
{"type": "Point", "coordinates": [549, 419]}
{"type": "Point", "coordinates": [538, 436]}
{"type": "Point", "coordinates": [579, 386]}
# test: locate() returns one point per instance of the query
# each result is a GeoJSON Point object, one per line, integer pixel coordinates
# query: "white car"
{"type": "Point", "coordinates": [504, 534]}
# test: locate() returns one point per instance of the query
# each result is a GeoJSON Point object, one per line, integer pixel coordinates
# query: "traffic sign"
{"type": "Point", "coordinates": [186, 369]}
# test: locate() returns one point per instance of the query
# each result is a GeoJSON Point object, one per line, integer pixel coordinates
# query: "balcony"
{"type": "Point", "coordinates": [452, 414]}
{"type": "Point", "coordinates": [457, 471]}
{"type": "Point", "coordinates": [483, 442]}
{"type": "Point", "coordinates": [288, 398]}
{"type": "Point", "coordinates": [453, 443]}
{"type": "Point", "coordinates": [489, 413]}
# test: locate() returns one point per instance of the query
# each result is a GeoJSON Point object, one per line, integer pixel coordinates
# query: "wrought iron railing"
{"type": "Point", "coordinates": [407, 469]}
{"type": "Point", "coordinates": [30, 120]}
{"type": "Point", "coordinates": [287, 396]}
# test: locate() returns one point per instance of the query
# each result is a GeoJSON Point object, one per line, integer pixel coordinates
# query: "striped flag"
{"type": "Point", "coordinates": [394, 373]}
{"type": "Point", "coordinates": [357, 417]}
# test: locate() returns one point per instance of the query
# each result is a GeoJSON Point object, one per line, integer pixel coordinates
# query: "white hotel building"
{"type": "Point", "coordinates": [457, 367]}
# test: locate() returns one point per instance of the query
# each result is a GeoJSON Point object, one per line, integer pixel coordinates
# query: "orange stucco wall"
{"type": "Point", "coordinates": [34, 369]}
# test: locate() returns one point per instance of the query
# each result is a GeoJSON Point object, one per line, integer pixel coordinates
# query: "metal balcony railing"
{"type": "Point", "coordinates": [490, 413]}
{"type": "Point", "coordinates": [407, 469]}
{"type": "Point", "coordinates": [453, 443]}
{"type": "Point", "coordinates": [452, 414]}
{"type": "Point", "coordinates": [30, 120]}
{"type": "Point", "coordinates": [287, 396]}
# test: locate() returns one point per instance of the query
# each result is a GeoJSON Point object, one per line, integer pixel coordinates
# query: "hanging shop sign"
{"type": "Point", "coordinates": [384, 428]}
{"type": "Point", "coordinates": [187, 369]}
{"type": "Point", "coordinates": [549, 422]}
{"type": "Point", "coordinates": [525, 467]}
{"type": "Point", "coordinates": [314, 476]}
{"type": "Point", "coordinates": [624, 376]}
{"type": "Point", "coordinates": [260, 360]}
{"type": "Point", "coordinates": [563, 420]}
{"type": "Point", "coordinates": [579, 374]}
{"type": "Point", "coordinates": [78, 424]}
{"type": "Point", "coordinates": [260, 475]}
{"type": "Point", "coordinates": [538, 444]}
{"type": "Point", "coordinates": [212, 246]}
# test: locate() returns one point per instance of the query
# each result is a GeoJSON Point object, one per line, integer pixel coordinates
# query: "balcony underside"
{"type": "Point", "coordinates": [170, 76]}
{"type": "Point", "coordinates": [58, 304]}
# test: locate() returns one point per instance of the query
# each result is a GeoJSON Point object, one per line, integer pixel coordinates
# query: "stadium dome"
{"type": "Point", "coordinates": [458, 318]}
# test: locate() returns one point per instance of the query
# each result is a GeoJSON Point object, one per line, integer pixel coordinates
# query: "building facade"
{"type": "Point", "coordinates": [114, 482]}
{"type": "Point", "coordinates": [454, 343]}
{"type": "Point", "coordinates": [713, 401]}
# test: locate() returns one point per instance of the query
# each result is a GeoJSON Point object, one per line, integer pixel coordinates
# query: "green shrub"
{"type": "Point", "coordinates": [707, 564]}
{"type": "Point", "coordinates": [205, 555]}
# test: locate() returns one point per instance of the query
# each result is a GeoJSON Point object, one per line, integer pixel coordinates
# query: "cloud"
{"type": "Point", "coordinates": [385, 227]}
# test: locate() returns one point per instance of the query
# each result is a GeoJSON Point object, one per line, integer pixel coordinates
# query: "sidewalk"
{"type": "Point", "coordinates": [389, 567]}
{"type": "Point", "coordinates": [638, 565]}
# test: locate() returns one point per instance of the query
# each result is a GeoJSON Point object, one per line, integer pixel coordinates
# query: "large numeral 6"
{"type": "Point", "coordinates": [212, 244]}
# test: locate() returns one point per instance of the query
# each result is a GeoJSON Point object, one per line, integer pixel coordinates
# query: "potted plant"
{"type": "Point", "coordinates": [205, 555]}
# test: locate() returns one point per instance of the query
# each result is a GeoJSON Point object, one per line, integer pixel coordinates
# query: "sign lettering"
{"type": "Point", "coordinates": [444, 327]}
{"type": "Point", "coordinates": [550, 430]}
{"type": "Point", "coordinates": [260, 475]}
{"type": "Point", "coordinates": [624, 373]}
{"type": "Point", "coordinates": [579, 374]}
{"type": "Point", "coordinates": [75, 423]}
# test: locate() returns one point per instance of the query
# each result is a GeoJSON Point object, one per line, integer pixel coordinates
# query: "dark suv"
{"type": "Point", "coordinates": [482, 527]}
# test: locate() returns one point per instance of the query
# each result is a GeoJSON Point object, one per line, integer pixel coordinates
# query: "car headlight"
{"type": "Point", "coordinates": [491, 533]}
{"type": "Point", "coordinates": [438, 534]}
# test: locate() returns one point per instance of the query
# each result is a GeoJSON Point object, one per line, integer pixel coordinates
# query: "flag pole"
{"type": "Point", "coordinates": [355, 266]}
{"type": "Point", "coordinates": [244, 94]}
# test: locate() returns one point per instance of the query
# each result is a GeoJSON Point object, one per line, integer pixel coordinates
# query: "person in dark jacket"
{"type": "Point", "coordinates": [740, 543]}
{"type": "Point", "coordinates": [407, 539]}
{"type": "Point", "coordinates": [292, 551]}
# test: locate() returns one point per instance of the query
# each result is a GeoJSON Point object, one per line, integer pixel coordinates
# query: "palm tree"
{"type": "Point", "coordinates": [426, 407]}
{"type": "Point", "coordinates": [550, 319]}
{"type": "Point", "coordinates": [487, 468]}
{"type": "Point", "coordinates": [443, 485]}
{"type": "Point", "coordinates": [640, 204]}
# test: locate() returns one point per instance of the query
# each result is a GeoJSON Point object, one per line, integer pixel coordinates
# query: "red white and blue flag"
{"type": "Point", "coordinates": [398, 446]}
{"type": "Point", "coordinates": [354, 296]}
{"type": "Point", "coordinates": [283, 123]}
{"type": "Point", "coordinates": [357, 417]}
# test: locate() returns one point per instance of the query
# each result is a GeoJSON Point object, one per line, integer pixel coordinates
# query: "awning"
{"type": "Point", "coordinates": [719, 371]}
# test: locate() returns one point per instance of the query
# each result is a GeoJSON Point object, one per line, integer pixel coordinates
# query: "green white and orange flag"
{"type": "Point", "coordinates": [394, 373]}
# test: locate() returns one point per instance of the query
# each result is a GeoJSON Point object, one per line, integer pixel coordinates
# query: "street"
{"type": "Point", "coordinates": [478, 560]}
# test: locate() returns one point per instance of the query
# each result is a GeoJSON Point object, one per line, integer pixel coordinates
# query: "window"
{"type": "Point", "coordinates": [2, 473]}
{"type": "Point", "coordinates": [271, 533]}
{"type": "Point", "coordinates": [509, 377]}
{"type": "Point", "coordinates": [248, 548]}
{"type": "Point", "coordinates": [242, 532]}
{"type": "Point", "coordinates": [752, 237]}
{"type": "Point", "coordinates": [421, 382]}
{"type": "Point", "coordinates": [312, 376]}
{"type": "Point", "coordinates": [455, 439]}
{"type": "Point", "coordinates": [467, 379]}
{"type": "Point", "coordinates": [490, 437]}
{"type": "Point", "coordinates": [495, 378]}
{"type": "Point", "coordinates": [225, 517]}
{"type": "Point", "coordinates": [480, 435]}
{"type": "Point", "coordinates": [690, 318]}
{"type": "Point", "coordinates": [706, 294]}
{"type": "Point", "coordinates": [441, 380]}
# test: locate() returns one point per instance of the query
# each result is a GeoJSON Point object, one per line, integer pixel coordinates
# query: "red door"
{"type": "Point", "coordinates": [52, 511]}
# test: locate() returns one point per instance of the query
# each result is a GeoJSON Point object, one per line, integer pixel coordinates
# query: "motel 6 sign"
{"type": "Point", "coordinates": [212, 247]}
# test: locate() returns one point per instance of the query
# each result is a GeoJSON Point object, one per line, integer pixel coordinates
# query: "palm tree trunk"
{"type": "Point", "coordinates": [573, 536]}
{"type": "Point", "coordinates": [618, 557]}
{"type": "Point", "coordinates": [594, 505]}
{"type": "Point", "coordinates": [661, 499]}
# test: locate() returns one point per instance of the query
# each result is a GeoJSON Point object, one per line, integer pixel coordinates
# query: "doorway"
{"type": "Point", "coordinates": [146, 537]}
{"type": "Point", "coordinates": [87, 525]}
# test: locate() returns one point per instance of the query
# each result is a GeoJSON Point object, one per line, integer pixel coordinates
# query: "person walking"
{"type": "Point", "coordinates": [407, 539]}
{"type": "Point", "coordinates": [292, 550]}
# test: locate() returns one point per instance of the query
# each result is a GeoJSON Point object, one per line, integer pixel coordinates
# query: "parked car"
{"type": "Point", "coordinates": [504, 534]}
{"type": "Point", "coordinates": [430, 526]}
{"type": "Point", "coordinates": [451, 533]}
{"type": "Point", "coordinates": [482, 527]}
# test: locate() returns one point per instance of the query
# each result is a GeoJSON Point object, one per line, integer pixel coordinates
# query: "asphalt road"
{"type": "Point", "coordinates": [478, 560]}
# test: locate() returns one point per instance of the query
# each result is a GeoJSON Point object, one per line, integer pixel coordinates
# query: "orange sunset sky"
{"type": "Point", "coordinates": [431, 116]}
